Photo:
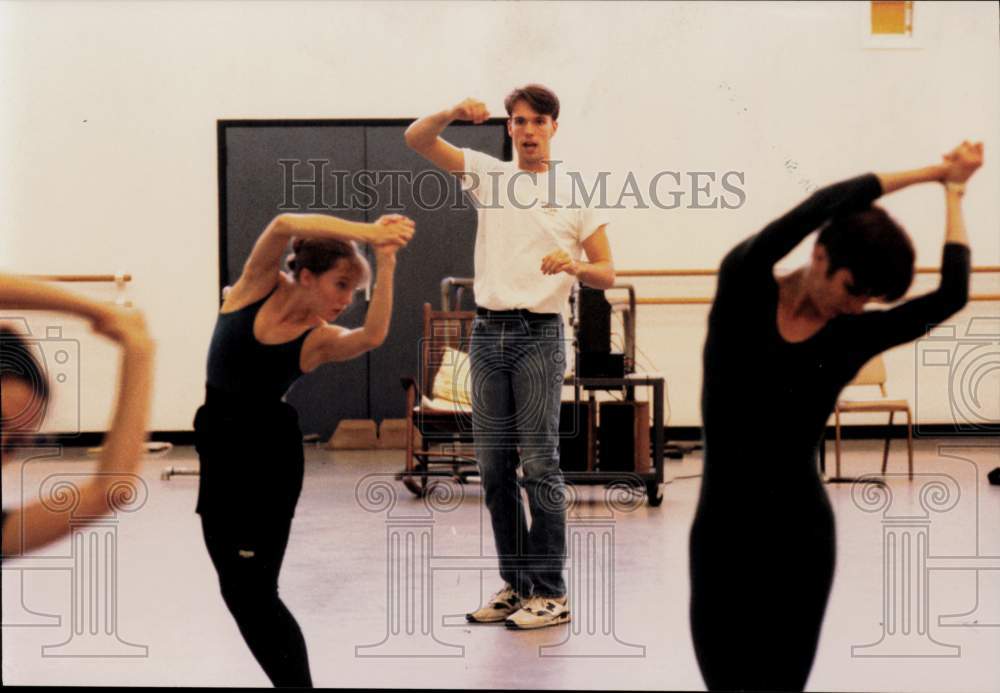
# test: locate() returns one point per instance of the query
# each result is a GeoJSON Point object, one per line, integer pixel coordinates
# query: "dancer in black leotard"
{"type": "Point", "coordinates": [271, 329]}
{"type": "Point", "coordinates": [780, 351]}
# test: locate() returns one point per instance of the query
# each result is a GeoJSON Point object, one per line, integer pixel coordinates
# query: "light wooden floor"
{"type": "Point", "coordinates": [630, 628]}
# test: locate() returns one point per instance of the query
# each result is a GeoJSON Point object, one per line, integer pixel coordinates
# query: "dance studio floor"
{"type": "Point", "coordinates": [379, 581]}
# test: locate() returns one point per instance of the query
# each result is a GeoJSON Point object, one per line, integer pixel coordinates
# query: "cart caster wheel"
{"type": "Point", "coordinates": [414, 486]}
{"type": "Point", "coordinates": [654, 494]}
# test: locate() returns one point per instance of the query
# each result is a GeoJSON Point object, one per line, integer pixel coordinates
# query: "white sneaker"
{"type": "Point", "coordinates": [539, 612]}
{"type": "Point", "coordinates": [497, 608]}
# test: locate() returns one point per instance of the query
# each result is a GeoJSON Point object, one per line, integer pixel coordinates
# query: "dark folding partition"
{"type": "Point", "coordinates": [266, 167]}
{"type": "Point", "coordinates": [442, 247]}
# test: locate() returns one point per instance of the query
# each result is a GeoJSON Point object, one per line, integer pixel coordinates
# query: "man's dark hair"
{"type": "Point", "coordinates": [874, 248]}
{"type": "Point", "coordinates": [541, 99]}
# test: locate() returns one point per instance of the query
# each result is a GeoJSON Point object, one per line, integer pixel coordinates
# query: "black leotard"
{"type": "Point", "coordinates": [248, 438]}
{"type": "Point", "coordinates": [762, 544]}
{"type": "Point", "coordinates": [250, 447]}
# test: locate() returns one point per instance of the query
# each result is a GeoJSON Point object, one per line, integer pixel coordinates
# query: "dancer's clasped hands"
{"type": "Point", "coordinates": [962, 161]}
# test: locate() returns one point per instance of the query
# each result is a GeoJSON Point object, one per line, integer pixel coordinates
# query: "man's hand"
{"type": "Point", "coordinates": [962, 161]}
{"type": "Point", "coordinates": [470, 109]}
{"type": "Point", "coordinates": [559, 261]}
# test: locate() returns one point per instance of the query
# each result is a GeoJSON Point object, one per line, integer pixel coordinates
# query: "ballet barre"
{"type": "Point", "coordinates": [707, 300]}
{"type": "Point", "coordinates": [119, 279]}
{"type": "Point", "coordinates": [987, 269]}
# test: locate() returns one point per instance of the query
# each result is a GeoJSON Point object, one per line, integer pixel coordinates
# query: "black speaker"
{"type": "Point", "coordinates": [576, 436]}
{"type": "Point", "coordinates": [624, 437]}
{"type": "Point", "coordinates": [602, 365]}
{"type": "Point", "coordinates": [594, 314]}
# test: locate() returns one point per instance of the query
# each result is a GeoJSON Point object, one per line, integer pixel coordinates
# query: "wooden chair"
{"type": "Point", "coordinates": [873, 374]}
{"type": "Point", "coordinates": [438, 431]}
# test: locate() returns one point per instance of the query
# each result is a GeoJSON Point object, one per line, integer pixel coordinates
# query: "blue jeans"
{"type": "Point", "coordinates": [518, 362]}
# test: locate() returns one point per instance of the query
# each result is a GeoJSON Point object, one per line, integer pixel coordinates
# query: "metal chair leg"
{"type": "Point", "coordinates": [836, 441]}
{"type": "Point", "coordinates": [909, 441]}
{"type": "Point", "coordinates": [888, 439]}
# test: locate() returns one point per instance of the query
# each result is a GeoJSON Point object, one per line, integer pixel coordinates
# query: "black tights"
{"type": "Point", "coordinates": [248, 563]}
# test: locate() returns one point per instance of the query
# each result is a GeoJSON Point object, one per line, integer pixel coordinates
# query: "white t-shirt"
{"type": "Point", "coordinates": [520, 221]}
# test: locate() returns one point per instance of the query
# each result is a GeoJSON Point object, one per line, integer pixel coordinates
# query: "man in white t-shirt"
{"type": "Point", "coordinates": [531, 235]}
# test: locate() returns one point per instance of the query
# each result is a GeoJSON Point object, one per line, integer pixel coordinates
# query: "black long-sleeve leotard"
{"type": "Point", "coordinates": [763, 543]}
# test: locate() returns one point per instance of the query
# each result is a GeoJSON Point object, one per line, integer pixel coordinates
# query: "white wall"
{"type": "Point", "coordinates": [109, 112]}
